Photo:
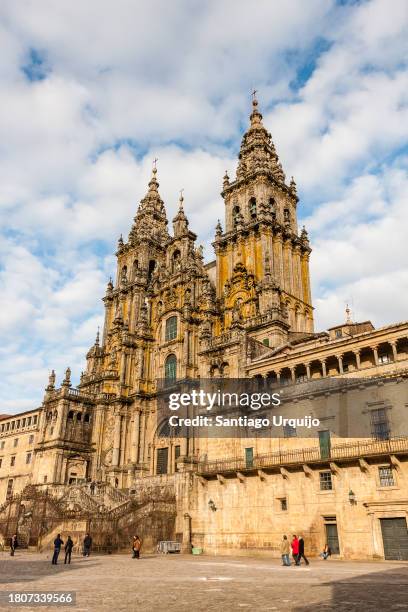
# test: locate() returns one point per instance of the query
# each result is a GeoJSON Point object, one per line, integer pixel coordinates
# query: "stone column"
{"type": "Point", "coordinates": [97, 431]}
{"type": "Point", "coordinates": [278, 376]}
{"type": "Point", "coordinates": [186, 548]}
{"type": "Point", "coordinates": [172, 457]}
{"type": "Point", "coordinates": [340, 360]}
{"type": "Point", "coordinates": [357, 354]}
{"type": "Point", "coordinates": [324, 372]}
{"type": "Point", "coordinates": [135, 437]}
{"type": "Point", "coordinates": [116, 440]}
{"type": "Point", "coordinates": [292, 373]}
{"type": "Point", "coordinates": [308, 370]}
{"type": "Point", "coordinates": [186, 347]}
{"type": "Point", "coordinates": [123, 367]}
{"type": "Point", "coordinates": [142, 437]}
{"type": "Point", "coordinates": [307, 296]}
{"type": "Point", "coordinates": [375, 353]}
{"type": "Point", "coordinates": [280, 259]}
{"type": "Point", "coordinates": [394, 349]}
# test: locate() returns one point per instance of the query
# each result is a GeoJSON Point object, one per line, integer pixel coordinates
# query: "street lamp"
{"type": "Point", "coordinates": [352, 497]}
{"type": "Point", "coordinates": [212, 505]}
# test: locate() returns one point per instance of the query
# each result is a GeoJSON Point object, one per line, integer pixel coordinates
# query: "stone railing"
{"type": "Point", "coordinates": [272, 315]}
{"type": "Point", "coordinates": [352, 450]}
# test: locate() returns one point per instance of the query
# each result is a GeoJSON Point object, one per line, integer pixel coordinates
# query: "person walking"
{"type": "Point", "coordinates": [326, 552]}
{"type": "Point", "coordinates": [87, 545]}
{"type": "Point", "coordinates": [68, 549]}
{"type": "Point", "coordinates": [57, 549]}
{"type": "Point", "coordinates": [301, 554]}
{"type": "Point", "coordinates": [136, 546]}
{"type": "Point", "coordinates": [285, 550]}
{"type": "Point", "coordinates": [295, 549]}
{"type": "Point", "coordinates": [13, 544]}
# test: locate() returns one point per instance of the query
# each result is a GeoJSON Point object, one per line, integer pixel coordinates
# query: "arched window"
{"type": "Point", "coordinates": [286, 215]}
{"type": "Point", "coordinates": [86, 418]}
{"type": "Point", "coordinates": [235, 213]}
{"type": "Point", "coordinates": [170, 368]}
{"type": "Point", "coordinates": [135, 267]}
{"type": "Point", "coordinates": [252, 208]}
{"type": "Point", "coordinates": [79, 416]}
{"type": "Point", "coordinates": [171, 328]}
{"type": "Point", "coordinates": [70, 415]}
{"type": "Point", "coordinates": [124, 273]}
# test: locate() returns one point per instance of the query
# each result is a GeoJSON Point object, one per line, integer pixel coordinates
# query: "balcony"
{"type": "Point", "coordinates": [303, 456]}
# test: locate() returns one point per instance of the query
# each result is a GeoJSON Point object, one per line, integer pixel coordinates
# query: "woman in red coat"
{"type": "Point", "coordinates": [295, 550]}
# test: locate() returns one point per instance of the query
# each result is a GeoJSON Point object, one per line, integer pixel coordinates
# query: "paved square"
{"type": "Point", "coordinates": [178, 582]}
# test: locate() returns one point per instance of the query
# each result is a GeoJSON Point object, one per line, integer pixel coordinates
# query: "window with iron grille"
{"type": "Point", "coordinates": [162, 460]}
{"type": "Point", "coordinates": [289, 431]}
{"type": "Point", "coordinates": [177, 450]}
{"type": "Point", "coordinates": [10, 488]}
{"type": "Point", "coordinates": [13, 460]}
{"type": "Point", "coordinates": [380, 427]}
{"type": "Point", "coordinates": [386, 476]}
{"type": "Point", "coordinates": [171, 328]}
{"type": "Point", "coordinates": [28, 458]}
{"type": "Point", "coordinates": [283, 504]}
{"type": "Point", "coordinates": [326, 483]}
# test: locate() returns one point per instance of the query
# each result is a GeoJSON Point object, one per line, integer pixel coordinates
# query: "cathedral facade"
{"type": "Point", "coordinates": [169, 315]}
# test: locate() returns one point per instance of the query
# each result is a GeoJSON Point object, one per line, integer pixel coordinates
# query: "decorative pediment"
{"type": "Point", "coordinates": [240, 281]}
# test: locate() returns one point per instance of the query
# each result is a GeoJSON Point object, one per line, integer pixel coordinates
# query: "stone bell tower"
{"type": "Point", "coordinates": [262, 260]}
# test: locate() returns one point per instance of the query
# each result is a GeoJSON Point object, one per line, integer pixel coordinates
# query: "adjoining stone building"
{"type": "Point", "coordinates": [249, 313]}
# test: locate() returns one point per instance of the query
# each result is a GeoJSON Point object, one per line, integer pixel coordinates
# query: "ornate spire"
{"type": "Point", "coordinates": [218, 229]}
{"type": "Point", "coordinates": [226, 181]}
{"type": "Point", "coordinates": [304, 236]}
{"type": "Point", "coordinates": [292, 186]}
{"type": "Point", "coordinates": [348, 315]}
{"type": "Point", "coordinates": [180, 221]}
{"type": "Point", "coordinates": [255, 117]}
{"type": "Point", "coordinates": [51, 381]}
{"type": "Point", "coordinates": [257, 153]}
{"type": "Point", "coordinates": [67, 380]}
{"type": "Point", "coordinates": [97, 338]}
{"type": "Point", "coordinates": [109, 288]}
{"type": "Point", "coordinates": [150, 221]}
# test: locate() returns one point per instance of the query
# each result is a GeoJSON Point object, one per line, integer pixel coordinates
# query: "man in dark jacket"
{"type": "Point", "coordinates": [13, 544]}
{"type": "Point", "coordinates": [57, 549]}
{"type": "Point", "coordinates": [87, 545]}
{"type": "Point", "coordinates": [68, 550]}
{"type": "Point", "coordinates": [302, 551]}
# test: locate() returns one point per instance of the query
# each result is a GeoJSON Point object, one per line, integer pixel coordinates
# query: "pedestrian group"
{"type": "Point", "coordinates": [297, 546]}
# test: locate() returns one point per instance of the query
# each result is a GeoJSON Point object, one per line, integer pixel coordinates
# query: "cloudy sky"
{"type": "Point", "coordinates": [91, 92]}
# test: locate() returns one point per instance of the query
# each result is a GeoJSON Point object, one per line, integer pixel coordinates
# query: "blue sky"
{"type": "Point", "coordinates": [90, 94]}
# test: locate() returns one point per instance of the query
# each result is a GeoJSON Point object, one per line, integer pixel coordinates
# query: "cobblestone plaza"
{"type": "Point", "coordinates": [179, 582]}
